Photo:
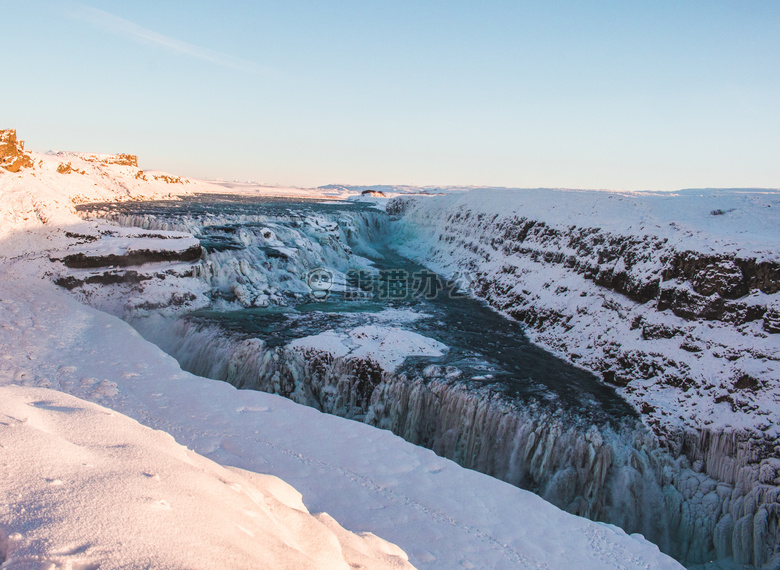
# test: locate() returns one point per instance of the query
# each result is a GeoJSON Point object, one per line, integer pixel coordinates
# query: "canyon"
{"type": "Point", "coordinates": [615, 353]}
{"type": "Point", "coordinates": [683, 335]}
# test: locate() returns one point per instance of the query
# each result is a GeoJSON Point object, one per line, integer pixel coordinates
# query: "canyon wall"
{"type": "Point", "coordinates": [681, 322]}
{"type": "Point", "coordinates": [686, 333]}
{"type": "Point", "coordinates": [617, 474]}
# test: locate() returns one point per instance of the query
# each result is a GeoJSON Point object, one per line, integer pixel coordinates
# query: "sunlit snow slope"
{"type": "Point", "coordinates": [83, 487]}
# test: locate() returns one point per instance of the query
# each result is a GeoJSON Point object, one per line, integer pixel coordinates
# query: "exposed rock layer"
{"type": "Point", "coordinates": [136, 257]}
{"type": "Point", "coordinates": [12, 155]}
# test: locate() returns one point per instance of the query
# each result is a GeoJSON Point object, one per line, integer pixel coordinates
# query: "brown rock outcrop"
{"type": "Point", "coordinates": [136, 257]}
{"type": "Point", "coordinates": [125, 160]}
{"type": "Point", "coordinates": [67, 168]}
{"type": "Point", "coordinates": [169, 179]}
{"type": "Point", "coordinates": [772, 319]}
{"type": "Point", "coordinates": [118, 159]}
{"type": "Point", "coordinates": [12, 156]}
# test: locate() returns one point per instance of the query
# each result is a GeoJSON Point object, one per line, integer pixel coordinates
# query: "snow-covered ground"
{"type": "Point", "coordinates": [387, 345]}
{"type": "Point", "coordinates": [86, 487]}
{"type": "Point", "coordinates": [441, 515]}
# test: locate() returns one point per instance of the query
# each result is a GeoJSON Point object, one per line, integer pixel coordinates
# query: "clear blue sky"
{"type": "Point", "coordinates": [625, 95]}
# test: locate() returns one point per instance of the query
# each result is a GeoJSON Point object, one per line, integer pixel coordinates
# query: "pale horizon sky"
{"type": "Point", "coordinates": [624, 95]}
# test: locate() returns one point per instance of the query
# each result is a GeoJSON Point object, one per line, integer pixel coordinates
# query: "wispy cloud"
{"type": "Point", "coordinates": [132, 31]}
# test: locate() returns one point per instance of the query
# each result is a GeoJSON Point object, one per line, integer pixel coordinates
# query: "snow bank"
{"type": "Point", "coordinates": [387, 346]}
{"type": "Point", "coordinates": [739, 220]}
{"type": "Point", "coordinates": [85, 487]}
{"type": "Point", "coordinates": [46, 193]}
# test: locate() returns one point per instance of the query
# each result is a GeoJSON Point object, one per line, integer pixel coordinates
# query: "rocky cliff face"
{"type": "Point", "coordinates": [12, 155]}
{"type": "Point", "coordinates": [683, 325]}
{"type": "Point", "coordinates": [123, 269]}
{"type": "Point", "coordinates": [688, 335]}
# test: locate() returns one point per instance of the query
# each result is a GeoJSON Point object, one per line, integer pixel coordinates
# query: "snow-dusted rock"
{"type": "Point", "coordinates": [654, 292]}
{"type": "Point", "coordinates": [670, 297]}
{"type": "Point", "coordinates": [12, 155]}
